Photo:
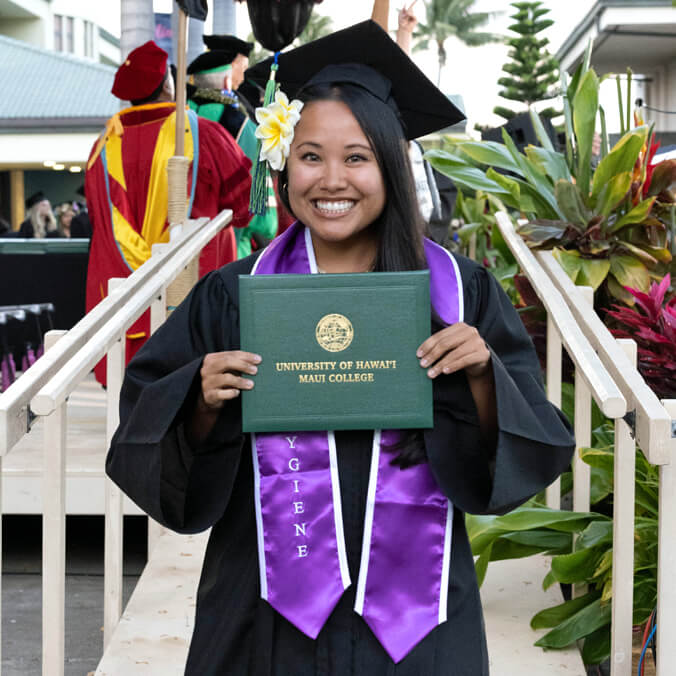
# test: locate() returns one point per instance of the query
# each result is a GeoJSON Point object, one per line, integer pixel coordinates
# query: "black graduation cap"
{"type": "Point", "coordinates": [228, 43]}
{"type": "Point", "coordinates": [34, 199]}
{"type": "Point", "coordinates": [209, 60]}
{"type": "Point", "coordinates": [251, 93]}
{"type": "Point", "coordinates": [366, 56]}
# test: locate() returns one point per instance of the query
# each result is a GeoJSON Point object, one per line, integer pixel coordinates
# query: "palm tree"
{"type": "Point", "coordinates": [317, 27]}
{"type": "Point", "coordinates": [451, 17]}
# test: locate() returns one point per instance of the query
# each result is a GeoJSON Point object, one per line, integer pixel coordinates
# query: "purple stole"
{"type": "Point", "coordinates": [402, 588]}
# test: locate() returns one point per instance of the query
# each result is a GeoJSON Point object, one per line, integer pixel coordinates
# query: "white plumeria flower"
{"type": "Point", "coordinates": [275, 129]}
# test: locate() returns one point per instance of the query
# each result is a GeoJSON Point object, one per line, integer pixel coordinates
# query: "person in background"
{"type": "Point", "coordinates": [5, 227]}
{"type": "Point", "coordinates": [127, 185]}
{"type": "Point", "coordinates": [81, 227]}
{"type": "Point", "coordinates": [64, 214]}
{"type": "Point", "coordinates": [40, 221]}
{"type": "Point", "coordinates": [216, 75]}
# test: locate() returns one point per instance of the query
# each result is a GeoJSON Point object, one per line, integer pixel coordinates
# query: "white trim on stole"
{"type": "Point", "coordinates": [259, 519]}
{"type": "Point", "coordinates": [338, 512]}
{"type": "Point", "coordinates": [368, 524]}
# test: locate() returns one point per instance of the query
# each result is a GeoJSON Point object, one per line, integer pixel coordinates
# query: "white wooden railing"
{"type": "Point", "coordinates": [43, 391]}
{"type": "Point", "coordinates": [649, 423]}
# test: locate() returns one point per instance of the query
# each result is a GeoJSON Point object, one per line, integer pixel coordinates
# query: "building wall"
{"type": "Point", "coordinates": [661, 93]}
{"type": "Point", "coordinates": [36, 31]}
{"type": "Point", "coordinates": [87, 19]}
{"type": "Point", "coordinates": [38, 147]}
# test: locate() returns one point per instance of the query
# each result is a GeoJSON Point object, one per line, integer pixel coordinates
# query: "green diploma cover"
{"type": "Point", "coordinates": [339, 351]}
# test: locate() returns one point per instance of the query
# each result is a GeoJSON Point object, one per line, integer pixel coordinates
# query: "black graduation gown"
{"type": "Point", "coordinates": [189, 490]}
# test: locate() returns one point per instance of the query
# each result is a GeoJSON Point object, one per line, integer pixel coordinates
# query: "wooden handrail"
{"type": "Point", "coordinates": [653, 423]}
{"type": "Point", "coordinates": [77, 367]}
{"type": "Point", "coordinates": [607, 395]}
{"type": "Point", "coordinates": [14, 401]}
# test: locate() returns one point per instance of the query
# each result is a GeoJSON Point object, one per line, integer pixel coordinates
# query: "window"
{"type": "Point", "coordinates": [69, 42]}
{"type": "Point", "coordinates": [88, 39]}
{"type": "Point", "coordinates": [58, 33]}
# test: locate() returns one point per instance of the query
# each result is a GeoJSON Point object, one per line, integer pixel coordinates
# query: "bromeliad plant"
{"type": "Point", "coordinates": [607, 229]}
{"type": "Point", "coordinates": [653, 326]}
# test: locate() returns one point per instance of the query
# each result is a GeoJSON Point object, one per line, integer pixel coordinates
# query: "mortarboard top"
{"type": "Point", "coordinates": [228, 43]}
{"type": "Point", "coordinates": [366, 56]}
{"type": "Point", "coordinates": [34, 199]}
{"type": "Point", "coordinates": [141, 73]}
{"type": "Point", "coordinates": [214, 61]}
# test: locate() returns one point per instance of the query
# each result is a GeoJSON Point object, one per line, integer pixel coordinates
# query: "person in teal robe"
{"type": "Point", "coordinates": [215, 77]}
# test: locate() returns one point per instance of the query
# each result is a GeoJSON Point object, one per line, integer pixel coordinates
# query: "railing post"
{"type": "Point", "coordinates": [623, 540]}
{"type": "Point", "coordinates": [114, 518]}
{"type": "Point", "coordinates": [158, 315]}
{"type": "Point", "coordinates": [54, 535]}
{"type": "Point", "coordinates": [471, 250]}
{"type": "Point", "coordinates": [666, 562]}
{"type": "Point", "coordinates": [554, 353]}
{"type": "Point", "coordinates": [583, 409]}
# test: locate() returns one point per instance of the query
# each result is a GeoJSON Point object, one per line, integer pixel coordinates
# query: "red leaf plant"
{"type": "Point", "coordinates": [652, 324]}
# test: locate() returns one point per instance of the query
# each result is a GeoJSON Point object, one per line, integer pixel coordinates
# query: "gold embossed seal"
{"type": "Point", "coordinates": [334, 332]}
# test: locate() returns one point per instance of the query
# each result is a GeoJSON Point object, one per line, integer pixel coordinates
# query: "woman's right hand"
{"type": "Point", "coordinates": [222, 375]}
{"type": "Point", "coordinates": [222, 379]}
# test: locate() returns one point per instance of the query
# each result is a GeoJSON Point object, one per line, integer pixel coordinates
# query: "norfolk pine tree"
{"type": "Point", "coordinates": [532, 71]}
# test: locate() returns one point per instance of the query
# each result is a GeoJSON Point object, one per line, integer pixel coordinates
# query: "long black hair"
{"type": "Point", "coordinates": [400, 225]}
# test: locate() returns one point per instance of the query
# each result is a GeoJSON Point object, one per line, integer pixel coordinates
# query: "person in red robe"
{"type": "Point", "coordinates": [127, 186]}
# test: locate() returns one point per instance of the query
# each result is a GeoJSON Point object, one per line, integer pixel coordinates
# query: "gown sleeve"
{"type": "Point", "coordinates": [534, 439]}
{"type": "Point", "coordinates": [149, 457]}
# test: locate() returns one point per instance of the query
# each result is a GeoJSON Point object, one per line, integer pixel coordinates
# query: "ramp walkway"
{"type": "Point", "coordinates": [22, 469]}
{"type": "Point", "coordinates": [154, 632]}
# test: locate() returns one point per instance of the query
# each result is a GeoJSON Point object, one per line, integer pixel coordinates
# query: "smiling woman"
{"type": "Point", "coordinates": [335, 187]}
{"type": "Point", "coordinates": [341, 553]}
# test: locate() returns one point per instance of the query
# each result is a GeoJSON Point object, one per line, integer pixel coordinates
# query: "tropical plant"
{"type": "Point", "coordinates": [317, 27]}
{"type": "Point", "coordinates": [532, 70]}
{"type": "Point", "coordinates": [603, 232]}
{"type": "Point", "coordinates": [258, 53]}
{"type": "Point", "coordinates": [477, 217]}
{"type": "Point", "coordinates": [446, 18]}
{"type": "Point", "coordinates": [653, 326]}
{"type": "Point", "coordinates": [580, 544]}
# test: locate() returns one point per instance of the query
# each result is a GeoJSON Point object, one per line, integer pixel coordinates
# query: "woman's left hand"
{"type": "Point", "coordinates": [456, 347]}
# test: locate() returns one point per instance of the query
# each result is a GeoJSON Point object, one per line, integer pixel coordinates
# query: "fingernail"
{"type": "Point", "coordinates": [253, 370]}
{"type": "Point", "coordinates": [257, 358]}
{"type": "Point", "coordinates": [419, 353]}
{"type": "Point", "coordinates": [431, 373]}
{"type": "Point", "coordinates": [249, 383]}
{"type": "Point", "coordinates": [423, 362]}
